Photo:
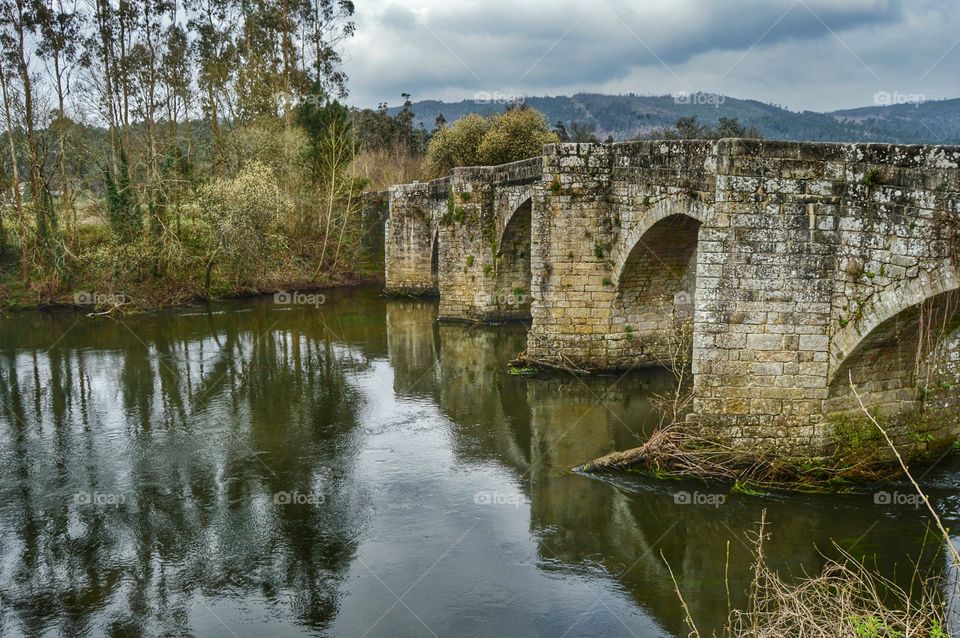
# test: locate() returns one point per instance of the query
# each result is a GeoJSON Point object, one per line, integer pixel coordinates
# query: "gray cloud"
{"type": "Point", "coordinates": [816, 54]}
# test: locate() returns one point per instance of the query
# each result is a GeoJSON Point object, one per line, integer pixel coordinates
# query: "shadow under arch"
{"type": "Point", "coordinates": [905, 365]}
{"type": "Point", "coordinates": [435, 260]}
{"type": "Point", "coordinates": [513, 273]}
{"type": "Point", "coordinates": [655, 288]}
{"type": "Point", "coordinates": [891, 302]}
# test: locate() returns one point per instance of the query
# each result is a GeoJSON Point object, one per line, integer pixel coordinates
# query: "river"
{"type": "Point", "coordinates": [349, 467]}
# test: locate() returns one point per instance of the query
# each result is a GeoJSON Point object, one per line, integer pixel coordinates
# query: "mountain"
{"type": "Point", "coordinates": [626, 116]}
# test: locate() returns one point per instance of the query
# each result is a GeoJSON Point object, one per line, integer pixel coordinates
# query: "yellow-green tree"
{"type": "Point", "coordinates": [475, 140]}
{"type": "Point", "coordinates": [515, 135]}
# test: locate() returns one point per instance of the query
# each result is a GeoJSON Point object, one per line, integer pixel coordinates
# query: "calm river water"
{"type": "Point", "coordinates": [357, 469]}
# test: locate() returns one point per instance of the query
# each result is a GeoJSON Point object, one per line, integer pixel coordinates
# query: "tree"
{"type": "Point", "coordinates": [584, 133]}
{"type": "Point", "coordinates": [456, 145]}
{"type": "Point", "coordinates": [216, 56]}
{"type": "Point", "coordinates": [517, 134]}
{"type": "Point", "coordinates": [60, 25]}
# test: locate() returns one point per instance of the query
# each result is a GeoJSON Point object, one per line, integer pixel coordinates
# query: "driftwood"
{"type": "Point", "coordinates": [675, 452]}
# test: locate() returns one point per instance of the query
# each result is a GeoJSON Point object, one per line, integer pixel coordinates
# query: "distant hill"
{"type": "Point", "coordinates": [625, 116]}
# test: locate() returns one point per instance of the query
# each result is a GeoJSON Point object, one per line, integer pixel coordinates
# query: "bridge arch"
{"type": "Point", "coordinates": [891, 304]}
{"type": "Point", "coordinates": [655, 289]}
{"type": "Point", "coordinates": [513, 262]}
{"type": "Point", "coordinates": [634, 238]}
{"type": "Point", "coordinates": [903, 357]}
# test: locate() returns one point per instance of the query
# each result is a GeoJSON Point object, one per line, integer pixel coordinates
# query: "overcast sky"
{"type": "Point", "coordinates": [803, 54]}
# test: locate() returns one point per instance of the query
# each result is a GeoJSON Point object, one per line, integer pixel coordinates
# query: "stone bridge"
{"type": "Point", "coordinates": [778, 272]}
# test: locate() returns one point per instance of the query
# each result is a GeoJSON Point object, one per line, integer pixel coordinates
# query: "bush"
{"type": "Point", "coordinates": [241, 213]}
{"type": "Point", "coordinates": [515, 135]}
{"type": "Point", "coordinates": [475, 140]}
{"type": "Point", "coordinates": [457, 145]}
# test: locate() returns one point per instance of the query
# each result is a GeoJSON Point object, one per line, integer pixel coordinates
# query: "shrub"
{"type": "Point", "coordinates": [515, 135]}
{"type": "Point", "coordinates": [241, 212]}
{"type": "Point", "coordinates": [475, 140]}
{"type": "Point", "coordinates": [457, 145]}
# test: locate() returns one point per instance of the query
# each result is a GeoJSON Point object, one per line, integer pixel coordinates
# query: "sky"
{"type": "Point", "coordinates": [803, 54]}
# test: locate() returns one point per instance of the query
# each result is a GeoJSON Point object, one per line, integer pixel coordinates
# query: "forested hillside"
{"type": "Point", "coordinates": [627, 116]}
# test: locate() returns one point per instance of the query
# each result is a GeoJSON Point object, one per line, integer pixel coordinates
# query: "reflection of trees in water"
{"type": "Point", "coordinates": [197, 422]}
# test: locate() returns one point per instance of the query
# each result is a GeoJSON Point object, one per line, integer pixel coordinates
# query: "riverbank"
{"type": "Point", "coordinates": [100, 291]}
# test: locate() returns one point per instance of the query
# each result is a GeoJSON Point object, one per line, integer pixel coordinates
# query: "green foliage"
{"type": "Point", "coordinates": [873, 177]}
{"type": "Point", "coordinates": [854, 433]}
{"type": "Point", "coordinates": [456, 145]}
{"type": "Point", "coordinates": [123, 209]}
{"type": "Point", "coordinates": [241, 213]}
{"type": "Point", "coordinates": [517, 134]}
{"type": "Point", "coordinates": [328, 128]}
{"type": "Point", "coordinates": [475, 140]}
{"type": "Point", "coordinates": [597, 250]}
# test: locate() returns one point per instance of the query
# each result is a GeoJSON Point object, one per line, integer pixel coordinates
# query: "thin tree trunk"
{"type": "Point", "coordinates": [17, 199]}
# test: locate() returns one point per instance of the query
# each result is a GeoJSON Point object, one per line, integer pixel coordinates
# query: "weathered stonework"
{"type": "Point", "coordinates": [793, 268]}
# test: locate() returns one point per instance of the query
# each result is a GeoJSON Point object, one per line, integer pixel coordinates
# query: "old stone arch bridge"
{"type": "Point", "coordinates": [798, 267]}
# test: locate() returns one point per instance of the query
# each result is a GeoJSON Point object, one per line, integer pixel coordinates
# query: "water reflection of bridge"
{"type": "Point", "coordinates": [539, 428]}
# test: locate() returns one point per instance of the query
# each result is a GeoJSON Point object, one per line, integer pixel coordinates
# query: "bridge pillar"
{"type": "Point", "coordinates": [485, 243]}
{"type": "Point", "coordinates": [411, 250]}
{"type": "Point", "coordinates": [812, 273]}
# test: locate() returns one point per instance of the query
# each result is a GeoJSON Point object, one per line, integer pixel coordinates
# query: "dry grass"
{"type": "Point", "coordinates": [387, 167]}
{"type": "Point", "coordinates": [845, 600]}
